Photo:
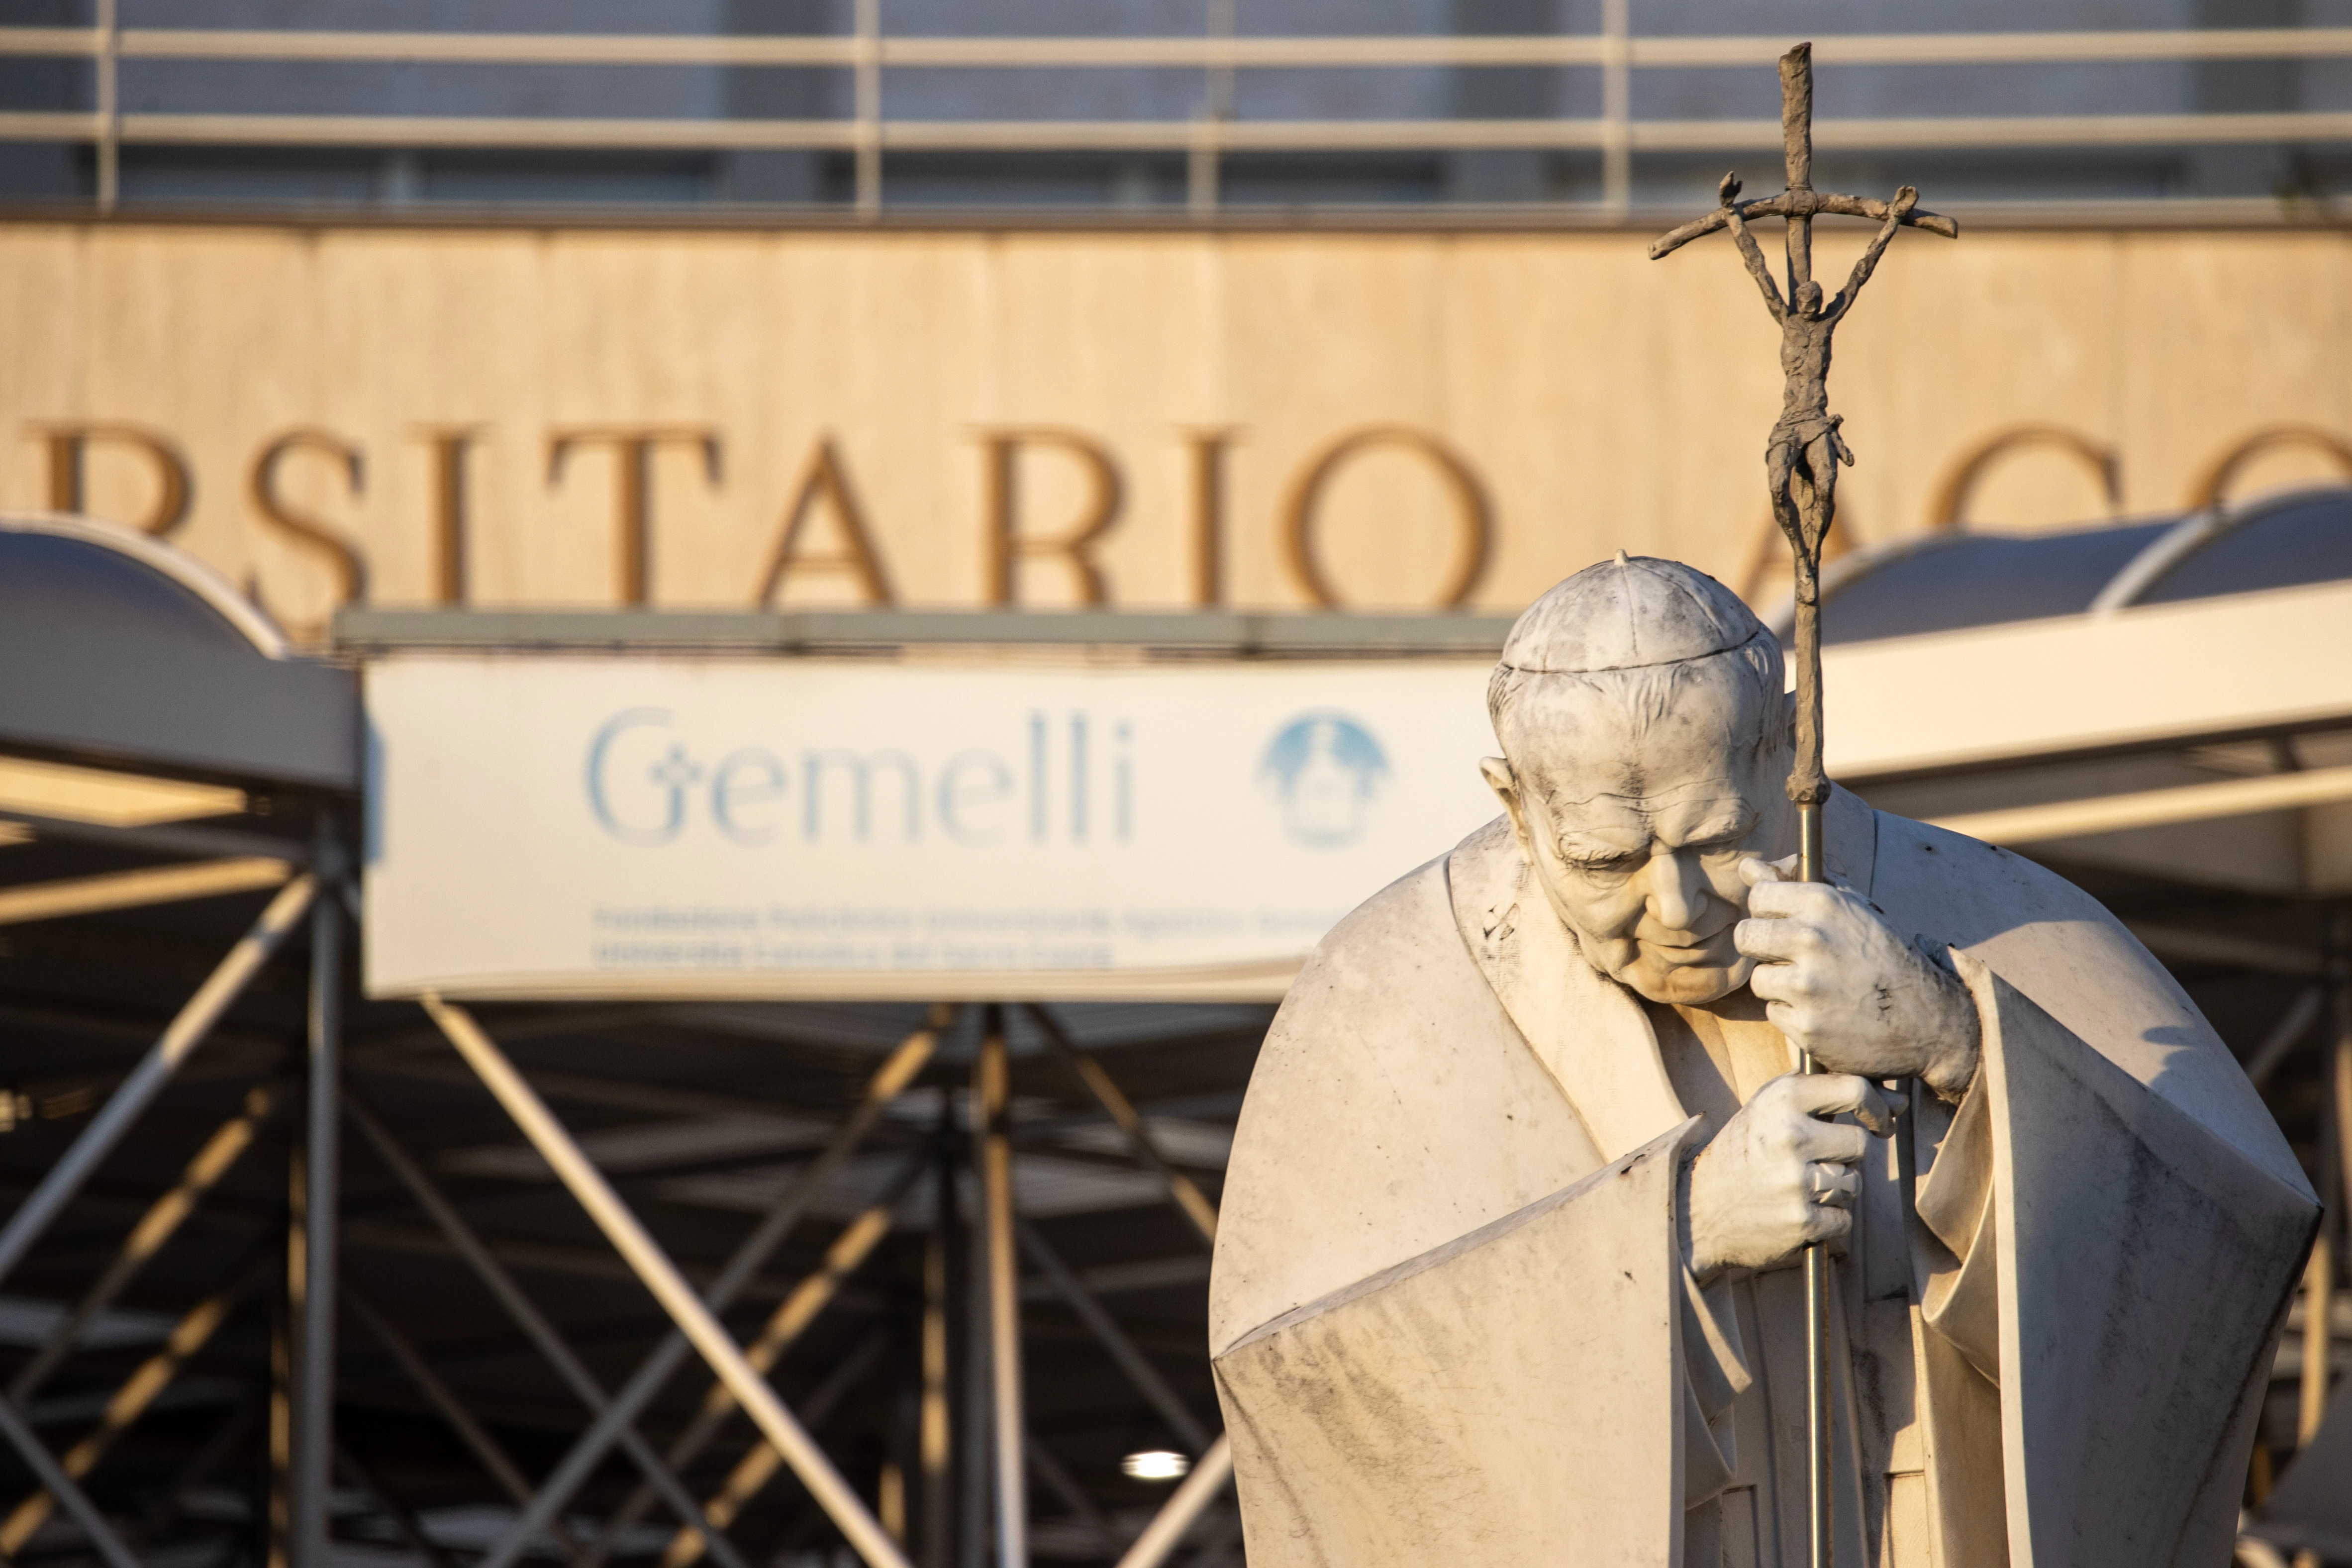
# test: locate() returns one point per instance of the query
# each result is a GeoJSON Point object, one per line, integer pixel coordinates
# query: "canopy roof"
{"type": "Point", "coordinates": [2169, 700]}
{"type": "Point", "coordinates": [144, 655]}
{"type": "Point", "coordinates": [1945, 581]}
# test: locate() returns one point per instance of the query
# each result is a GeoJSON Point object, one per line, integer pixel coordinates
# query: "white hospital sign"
{"type": "Point", "coordinates": [717, 827]}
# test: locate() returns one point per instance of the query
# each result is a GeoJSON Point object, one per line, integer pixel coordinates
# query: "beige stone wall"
{"type": "Point", "coordinates": [1594, 399]}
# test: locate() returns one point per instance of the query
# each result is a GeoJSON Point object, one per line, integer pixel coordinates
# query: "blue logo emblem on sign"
{"type": "Point", "coordinates": [1327, 773]}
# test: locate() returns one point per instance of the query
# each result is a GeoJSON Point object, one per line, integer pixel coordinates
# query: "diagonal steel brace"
{"type": "Point", "coordinates": [893, 1076]}
{"type": "Point", "coordinates": [528, 1317]}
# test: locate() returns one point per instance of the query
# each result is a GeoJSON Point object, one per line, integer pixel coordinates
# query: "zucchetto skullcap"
{"type": "Point", "coordinates": [1625, 614]}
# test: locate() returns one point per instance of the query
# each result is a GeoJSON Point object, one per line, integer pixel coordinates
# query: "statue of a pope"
{"type": "Point", "coordinates": [1509, 1270]}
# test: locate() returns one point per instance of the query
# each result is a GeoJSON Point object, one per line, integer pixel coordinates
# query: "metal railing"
{"type": "Point", "coordinates": [866, 52]}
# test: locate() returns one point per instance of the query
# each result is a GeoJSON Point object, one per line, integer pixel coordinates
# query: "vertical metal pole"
{"type": "Point", "coordinates": [1201, 160]}
{"type": "Point", "coordinates": [890, 1501]}
{"type": "Point", "coordinates": [1616, 107]}
{"type": "Point", "coordinates": [933, 1443]}
{"type": "Point", "coordinates": [1818, 1471]}
{"type": "Point", "coordinates": [314, 1373]}
{"type": "Point", "coordinates": [2318, 1305]}
{"type": "Point", "coordinates": [1204, 164]}
{"type": "Point", "coordinates": [991, 1114]}
{"type": "Point", "coordinates": [110, 107]}
{"type": "Point", "coordinates": [970, 1282]}
{"type": "Point", "coordinates": [1817, 1403]}
{"type": "Point", "coordinates": [867, 18]}
{"type": "Point", "coordinates": [2319, 1273]}
{"type": "Point", "coordinates": [284, 1309]}
{"type": "Point", "coordinates": [2343, 1076]}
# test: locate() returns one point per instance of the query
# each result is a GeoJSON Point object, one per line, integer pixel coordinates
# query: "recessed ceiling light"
{"type": "Point", "coordinates": [1156, 1465]}
{"type": "Point", "coordinates": [106, 798]}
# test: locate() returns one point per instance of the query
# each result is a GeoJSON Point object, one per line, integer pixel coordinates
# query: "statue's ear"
{"type": "Point", "coordinates": [1504, 781]}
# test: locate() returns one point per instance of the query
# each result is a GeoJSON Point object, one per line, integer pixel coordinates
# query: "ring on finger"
{"type": "Point", "coordinates": [1828, 1184]}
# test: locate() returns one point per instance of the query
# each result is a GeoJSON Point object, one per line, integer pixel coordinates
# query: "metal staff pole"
{"type": "Point", "coordinates": [1809, 788]}
{"type": "Point", "coordinates": [1802, 457]}
{"type": "Point", "coordinates": [991, 1115]}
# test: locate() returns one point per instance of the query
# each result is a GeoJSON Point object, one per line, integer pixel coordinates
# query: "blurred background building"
{"type": "Point", "coordinates": [1253, 104]}
{"type": "Point", "coordinates": [901, 337]}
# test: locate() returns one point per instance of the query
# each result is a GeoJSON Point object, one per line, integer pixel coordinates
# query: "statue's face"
{"type": "Point", "coordinates": [1635, 816]}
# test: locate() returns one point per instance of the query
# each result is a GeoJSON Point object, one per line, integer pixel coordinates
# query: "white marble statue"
{"type": "Point", "coordinates": [1509, 1268]}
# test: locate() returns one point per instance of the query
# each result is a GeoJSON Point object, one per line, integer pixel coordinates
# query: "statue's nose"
{"type": "Point", "coordinates": [1674, 898]}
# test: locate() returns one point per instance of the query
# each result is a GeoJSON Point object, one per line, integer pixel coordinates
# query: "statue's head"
{"type": "Point", "coordinates": [1809, 299]}
{"type": "Point", "coordinates": [1645, 745]}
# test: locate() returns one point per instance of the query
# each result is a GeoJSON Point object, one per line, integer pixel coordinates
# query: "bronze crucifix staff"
{"type": "Point", "coordinates": [1801, 464]}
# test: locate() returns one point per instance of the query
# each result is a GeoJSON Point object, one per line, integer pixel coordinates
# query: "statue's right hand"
{"type": "Point", "coordinates": [1778, 1178]}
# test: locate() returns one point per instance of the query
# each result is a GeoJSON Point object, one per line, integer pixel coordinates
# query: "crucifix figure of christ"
{"type": "Point", "coordinates": [1802, 454]}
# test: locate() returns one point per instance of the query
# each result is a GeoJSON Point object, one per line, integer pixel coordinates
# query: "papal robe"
{"type": "Point", "coordinates": [1450, 1320]}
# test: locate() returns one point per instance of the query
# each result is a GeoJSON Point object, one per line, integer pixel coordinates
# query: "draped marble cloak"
{"type": "Point", "coordinates": [1450, 1322]}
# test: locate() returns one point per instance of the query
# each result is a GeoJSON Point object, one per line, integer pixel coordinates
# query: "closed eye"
{"type": "Point", "coordinates": [1609, 864]}
{"type": "Point", "coordinates": [1711, 836]}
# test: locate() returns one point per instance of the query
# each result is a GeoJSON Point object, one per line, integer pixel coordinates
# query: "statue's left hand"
{"type": "Point", "coordinates": [1841, 983]}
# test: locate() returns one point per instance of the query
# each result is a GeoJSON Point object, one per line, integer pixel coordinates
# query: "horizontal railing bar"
{"type": "Point", "coordinates": [807, 49]}
{"type": "Point", "coordinates": [52, 41]}
{"type": "Point", "coordinates": [2037, 131]}
{"type": "Point", "coordinates": [58, 125]}
{"type": "Point", "coordinates": [489, 49]}
{"type": "Point", "coordinates": [2183, 45]}
{"type": "Point", "coordinates": [454, 130]}
{"type": "Point", "coordinates": [1234, 135]}
{"type": "Point", "coordinates": [1398, 215]}
{"type": "Point", "coordinates": [1457, 50]}
{"type": "Point", "coordinates": [1174, 135]}
{"type": "Point", "coordinates": [2179, 45]}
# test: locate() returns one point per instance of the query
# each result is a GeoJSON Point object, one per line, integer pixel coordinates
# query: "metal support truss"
{"type": "Point", "coordinates": [185, 1033]}
{"type": "Point", "coordinates": [528, 1318]}
{"type": "Point", "coordinates": [884, 1087]}
{"type": "Point", "coordinates": [187, 1030]}
{"type": "Point", "coordinates": [957, 1477]}
{"type": "Point", "coordinates": [800, 1309]}
{"type": "Point", "coordinates": [661, 1277]}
